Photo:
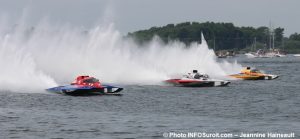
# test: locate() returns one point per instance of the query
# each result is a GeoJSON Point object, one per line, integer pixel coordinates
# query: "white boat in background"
{"type": "Point", "coordinates": [251, 55]}
{"type": "Point", "coordinates": [280, 55]}
{"type": "Point", "coordinates": [260, 54]}
{"type": "Point", "coordinates": [297, 55]}
{"type": "Point", "coordinates": [265, 54]}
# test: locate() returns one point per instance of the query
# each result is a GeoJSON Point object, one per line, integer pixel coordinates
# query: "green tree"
{"type": "Point", "coordinates": [223, 35]}
{"type": "Point", "coordinates": [295, 37]}
{"type": "Point", "coordinates": [279, 34]}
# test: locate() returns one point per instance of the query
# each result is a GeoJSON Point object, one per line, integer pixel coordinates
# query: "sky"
{"type": "Point", "coordinates": [133, 15]}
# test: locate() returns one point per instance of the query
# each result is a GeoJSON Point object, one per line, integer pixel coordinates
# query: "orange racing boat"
{"type": "Point", "coordinates": [253, 74]}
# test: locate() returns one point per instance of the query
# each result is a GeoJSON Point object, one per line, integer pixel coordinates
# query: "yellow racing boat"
{"type": "Point", "coordinates": [253, 74]}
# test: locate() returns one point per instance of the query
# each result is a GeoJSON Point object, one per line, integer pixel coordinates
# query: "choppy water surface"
{"type": "Point", "coordinates": [148, 111]}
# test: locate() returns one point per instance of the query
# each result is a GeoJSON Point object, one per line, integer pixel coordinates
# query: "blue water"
{"type": "Point", "coordinates": [149, 111]}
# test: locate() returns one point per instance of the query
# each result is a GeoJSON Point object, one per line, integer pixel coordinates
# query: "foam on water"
{"type": "Point", "coordinates": [37, 58]}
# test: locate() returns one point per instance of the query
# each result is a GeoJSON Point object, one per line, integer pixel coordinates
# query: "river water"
{"type": "Point", "coordinates": [149, 111]}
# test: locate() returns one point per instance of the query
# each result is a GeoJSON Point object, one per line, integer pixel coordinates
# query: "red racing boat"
{"type": "Point", "coordinates": [86, 85]}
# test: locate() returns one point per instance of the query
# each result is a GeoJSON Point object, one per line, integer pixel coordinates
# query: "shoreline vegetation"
{"type": "Point", "coordinates": [223, 36]}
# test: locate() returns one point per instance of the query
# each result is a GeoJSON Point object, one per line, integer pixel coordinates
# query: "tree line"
{"type": "Point", "coordinates": [222, 36]}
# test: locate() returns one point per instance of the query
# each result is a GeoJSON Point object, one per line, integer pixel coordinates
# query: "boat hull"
{"type": "Point", "coordinates": [74, 90]}
{"type": "Point", "coordinates": [254, 77]}
{"type": "Point", "coordinates": [197, 83]}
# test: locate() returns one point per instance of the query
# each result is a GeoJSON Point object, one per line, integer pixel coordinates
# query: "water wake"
{"type": "Point", "coordinates": [33, 58]}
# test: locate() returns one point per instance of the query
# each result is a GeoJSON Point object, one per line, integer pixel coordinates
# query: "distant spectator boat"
{"type": "Point", "coordinates": [265, 54]}
{"type": "Point", "coordinates": [297, 55]}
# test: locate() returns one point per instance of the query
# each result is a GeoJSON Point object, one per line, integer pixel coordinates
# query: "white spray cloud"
{"type": "Point", "coordinates": [18, 69]}
{"type": "Point", "coordinates": [32, 58]}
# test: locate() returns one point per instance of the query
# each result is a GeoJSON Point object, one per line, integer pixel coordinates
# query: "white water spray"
{"type": "Point", "coordinates": [34, 58]}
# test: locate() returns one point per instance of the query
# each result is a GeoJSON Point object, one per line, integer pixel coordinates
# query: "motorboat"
{"type": "Point", "coordinates": [86, 85]}
{"type": "Point", "coordinates": [253, 74]}
{"type": "Point", "coordinates": [197, 80]}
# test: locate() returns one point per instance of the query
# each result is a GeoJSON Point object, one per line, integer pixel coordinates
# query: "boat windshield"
{"type": "Point", "coordinates": [91, 80]}
{"type": "Point", "coordinates": [255, 71]}
{"type": "Point", "coordinates": [205, 76]}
